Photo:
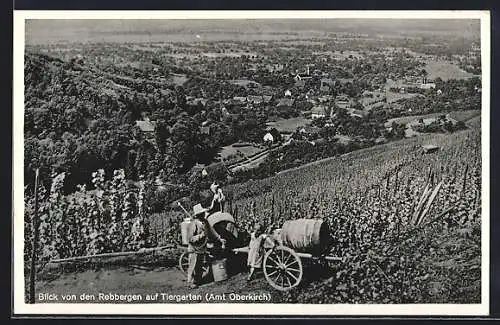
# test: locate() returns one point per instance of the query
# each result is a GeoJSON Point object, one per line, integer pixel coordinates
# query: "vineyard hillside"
{"type": "Point", "coordinates": [368, 198]}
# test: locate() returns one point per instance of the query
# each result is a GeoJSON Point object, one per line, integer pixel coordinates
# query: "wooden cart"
{"type": "Point", "coordinates": [282, 266]}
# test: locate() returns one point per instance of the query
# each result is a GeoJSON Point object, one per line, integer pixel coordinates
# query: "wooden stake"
{"type": "Point", "coordinates": [454, 173]}
{"type": "Point", "coordinates": [429, 203]}
{"type": "Point", "coordinates": [465, 179]}
{"type": "Point", "coordinates": [396, 182]}
{"type": "Point", "coordinates": [478, 199]}
{"type": "Point", "coordinates": [420, 205]}
{"type": "Point", "coordinates": [162, 229]}
{"type": "Point", "coordinates": [379, 205]}
{"type": "Point", "coordinates": [34, 245]}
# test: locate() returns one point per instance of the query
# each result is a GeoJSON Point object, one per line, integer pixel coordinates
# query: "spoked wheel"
{"type": "Point", "coordinates": [282, 268]}
{"type": "Point", "coordinates": [184, 264]}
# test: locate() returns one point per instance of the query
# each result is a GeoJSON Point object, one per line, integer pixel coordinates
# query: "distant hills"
{"type": "Point", "coordinates": [69, 31]}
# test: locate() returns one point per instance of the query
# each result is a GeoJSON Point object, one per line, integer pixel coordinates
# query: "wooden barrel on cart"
{"type": "Point", "coordinates": [223, 223]}
{"type": "Point", "coordinates": [306, 235]}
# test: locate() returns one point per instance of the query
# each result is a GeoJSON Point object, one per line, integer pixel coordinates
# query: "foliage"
{"type": "Point", "coordinates": [111, 218]}
{"type": "Point", "coordinates": [79, 118]}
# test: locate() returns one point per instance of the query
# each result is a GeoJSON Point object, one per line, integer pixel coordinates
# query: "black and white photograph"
{"type": "Point", "coordinates": [250, 162]}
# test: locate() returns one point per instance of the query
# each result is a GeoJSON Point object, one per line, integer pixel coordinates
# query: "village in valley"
{"type": "Point", "coordinates": [318, 93]}
{"type": "Point", "coordinates": [250, 97]}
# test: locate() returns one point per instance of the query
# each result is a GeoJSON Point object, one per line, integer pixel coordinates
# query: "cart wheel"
{"type": "Point", "coordinates": [282, 268]}
{"type": "Point", "coordinates": [184, 264]}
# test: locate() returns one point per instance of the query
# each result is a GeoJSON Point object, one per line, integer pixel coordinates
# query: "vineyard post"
{"type": "Point", "coordinates": [465, 179]}
{"type": "Point", "coordinates": [478, 198]}
{"type": "Point", "coordinates": [396, 180]}
{"type": "Point", "coordinates": [379, 205]}
{"type": "Point", "coordinates": [162, 235]}
{"type": "Point", "coordinates": [272, 209]}
{"type": "Point", "coordinates": [34, 245]}
{"type": "Point", "coordinates": [455, 173]}
{"type": "Point", "coordinates": [387, 185]}
{"type": "Point", "coordinates": [398, 221]}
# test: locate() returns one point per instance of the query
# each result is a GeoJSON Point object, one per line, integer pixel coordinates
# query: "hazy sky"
{"type": "Point", "coordinates": [50, 31]}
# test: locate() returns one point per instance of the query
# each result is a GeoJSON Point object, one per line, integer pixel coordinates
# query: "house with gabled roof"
{"type": "Point", "coordinates": [267, 98]}
{"type": "Point", "coordinates": [300, 80]}
{"type": "Point", "coordinates": [239, 99]}
{"type": "Point", "coordinates": [286, 102]}
{"type": "Point", "coordinates": [255, 99]}
{"type": "Point", "coordinates": [318, 111]}
{"type": "Point", "coordinates": [343, 101]}
{"type": "Point", "coordinates": [146, 126]}
{"type": "Point", "coordinates": [327, 83]}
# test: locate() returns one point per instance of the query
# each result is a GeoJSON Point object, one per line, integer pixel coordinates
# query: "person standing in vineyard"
{"type": "Point", "coordinates": [255, 249]}
{"type": "Point", "coordinates": [200, 233]}
{"type": "Point", "coordinates": [198, 239]}
{"type": "Point", "coordinates": [218, 200]}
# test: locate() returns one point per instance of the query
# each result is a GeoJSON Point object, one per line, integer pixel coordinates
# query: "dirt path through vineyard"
{"type": "Point", "coordinates": [135, 281]}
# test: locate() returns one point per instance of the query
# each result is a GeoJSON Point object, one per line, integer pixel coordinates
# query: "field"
{"type": "Point", "coordinates": [289, 125]}
{"type": "Point", "coordinates": [228, 54]}
{"type": "Point", "coordinates": [241, 151]}
{"type": "Point", "coordinates": [465, 116]}
{"type": "Point", "coordinates": [445, 71]}
{"type": "Point", "coordinates": [178, 79]}
{"type": "Point", "coordinates": [250, 164]}
{"type": "Point", "coordinates": [393, 97]}
{"type": "Point", "coordinates": [456, 115]}
{"type": "Point", "coordinates": [244, 83]}
{"type": "Point", "coordinates": [340, 56]}
{"type": "Point", "coordinates": [409, 119]}
{"type": "Point", "coordinates": [474, 122]}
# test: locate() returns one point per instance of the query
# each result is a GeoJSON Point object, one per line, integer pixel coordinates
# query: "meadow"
{"type": "Point", "coordinates": [289, 125]}
{"type": "Point", "coordinates": [445, 70]}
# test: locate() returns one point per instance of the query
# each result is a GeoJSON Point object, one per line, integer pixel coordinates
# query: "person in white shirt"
{"type": "Point", "coordinates": [256, 249]}
{"type": "Point", "coordinates": [218, 199]}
